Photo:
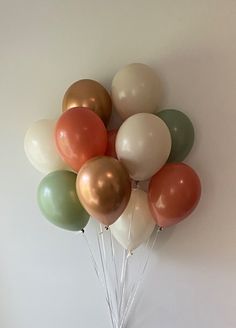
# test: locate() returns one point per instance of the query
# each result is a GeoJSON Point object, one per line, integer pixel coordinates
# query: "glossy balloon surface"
{"type": "Point", "coordinates": [174, 192]}
{"type": "Point", "coordinates": [89, 94]}
{"type": "Point", "coordinates": [80, 135]}
{"type": "Point", "coordinates": [104, 188]}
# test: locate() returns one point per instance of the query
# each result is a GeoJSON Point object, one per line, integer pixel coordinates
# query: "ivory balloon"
{"type": "Point", "coordinates": [135, 89]}
{"type": "Point", "coordinates": [143, 144]}
{"type": "Point", "coordinates": [136, 223]}
{"type": "Point", "coordinates": [40, 147]}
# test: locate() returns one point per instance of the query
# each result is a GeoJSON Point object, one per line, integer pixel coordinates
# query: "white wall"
{"type": "Point", "coordinates": [46, 279]}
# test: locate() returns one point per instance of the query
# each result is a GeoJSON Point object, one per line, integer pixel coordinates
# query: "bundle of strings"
{"type": "Point", "coordinates": [112, 264]}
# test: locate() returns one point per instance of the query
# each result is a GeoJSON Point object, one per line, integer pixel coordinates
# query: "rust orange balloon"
{"type": "Point", "coordinates": [174, 192]}
{"type": "Point", "coordinates": [89, 94]}
{"type": "Point", "coordinates": [80, 135]}
{"type": "Point", "coordinates": [103, 187]}
{"type": "Point", "coordinates": [111, 143]}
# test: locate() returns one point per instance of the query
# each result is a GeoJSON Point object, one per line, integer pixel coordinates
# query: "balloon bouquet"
{"type": "Point", "coordinates": [95, 172]}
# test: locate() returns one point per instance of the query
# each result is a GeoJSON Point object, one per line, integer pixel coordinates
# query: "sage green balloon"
{"type": "Point", "coordinates": [59, 202]}
{"type": "Point", "coordinates": [182, 133]}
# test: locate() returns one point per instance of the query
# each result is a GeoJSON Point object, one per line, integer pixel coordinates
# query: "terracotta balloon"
{"type": "Point", "coordinates": [104, 188]}
{"type": "Point", "coordinates": [174, 192]}
{"type": "Point", "coordinates": [111, 143]}
{"type": "Point", "coordinates": [80, 135]}
{"type": "Point", "coordinates": [89, 94]}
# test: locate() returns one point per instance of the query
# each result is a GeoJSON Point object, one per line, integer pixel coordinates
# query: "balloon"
{"type": "Point", "coordinates": [135, 89]}
{"type": "Point", "coordinates": [173, 194]}
{"type": "Point", "coordinates": [40, 147]}
{"type": "Point", "coordinates": [80, 135]}
{"type": "Point", "coordinates": [59, 202]}
{"type": "Point", "coordinates": [89, 94]}
{"type": "Point", "coordinates": [182, 133]}
{"type": "Point", "coordinates": [136, 223]}
{"type": "Point", "coordinates": [104, 188]}
{"type": "Point", "coordinates": [143, 145]}
{"type": "Point", "coordinates": [111, 144]}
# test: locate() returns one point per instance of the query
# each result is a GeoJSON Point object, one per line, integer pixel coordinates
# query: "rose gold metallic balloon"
{"type": "Point", "coordinates": [104, 188]}
{"type": "Point", "coordinates": [90, 94]}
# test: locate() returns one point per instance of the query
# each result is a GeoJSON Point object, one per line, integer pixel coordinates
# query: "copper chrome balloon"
{"type": "Point", "coordinates": [104, 188]}
{"type": "Point", "coordinates": [90, 94]}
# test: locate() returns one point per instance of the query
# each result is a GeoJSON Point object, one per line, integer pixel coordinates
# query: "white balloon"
{"type": "Point", "coordinates": [143, 145]}
{"type": "Point", "coordinates": [135, 89]}
{"type": "Point", "coordinates": [136, 223]}
{"type": "Point", "coordinates": [40, 147]}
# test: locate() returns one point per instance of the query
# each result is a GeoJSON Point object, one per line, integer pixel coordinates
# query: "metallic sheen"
{"type": "Point", "coordinates": [89, 94]}
{"type": "Point", "coordinates": [104, 188]}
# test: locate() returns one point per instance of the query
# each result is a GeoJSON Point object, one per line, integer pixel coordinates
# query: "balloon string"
{"type": "Point", "coordinates": [95, 266]}
{"type": "Point", "coordinates": [120, 282]}
{"type": "Point", "coordinates": [135, 289]}
{"type": "Point", "coordinates": [139, 269]}
{"type": "Point", "coordinates": [123, 282]}
{"type": "Point", "coordinates": [127, 253]}
{"type": "Point", "coordinates": [115, 269]}
{"type": "Point", "coordinates": [92, 258]}
{"type": "Point", "coordinates": [101, 246]}
{"type": "Point", "coordinates": [132, 214]}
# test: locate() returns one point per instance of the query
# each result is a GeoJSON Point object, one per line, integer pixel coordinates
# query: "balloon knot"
{"type": "Point", "coordinates": [82, 230]}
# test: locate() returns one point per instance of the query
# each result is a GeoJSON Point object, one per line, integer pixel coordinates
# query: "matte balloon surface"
{"type": "Point", "coordinates": [89, 94]}
{"type": "Point", "coordinates": [135, 89]}
{"type": "Point", "coordinates": [40, 147]}
{"type": "Point", "coordinates": [174, 192]}
{"type": "Point", "coordinates": [136, 223]}
{"type": "Point", "coordinates": [143, 145]}
{"type": "Point", "coordinates": [182, 133]}
{"type": "Point", "coordinates": [59, 202]}
{"type": "Point", "coordinates": [104, 188]}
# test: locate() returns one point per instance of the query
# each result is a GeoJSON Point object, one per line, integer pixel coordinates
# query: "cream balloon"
{"type": "Point", "coordinates": [135, 89]}
{"type": "Point", "coordinates": [143, 145]}
{"type": "Point", "coordinates": [40, 148]}
{"type": "Point", "coordinates": [136, 223]}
